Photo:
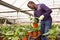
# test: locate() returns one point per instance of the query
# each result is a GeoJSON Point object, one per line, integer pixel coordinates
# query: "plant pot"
{"type": "Point", "coordinates": [30, 33]}
{"type": "Point", "coordinates": [35, 34]}
{"type": "Point", "coordinates": [25, 37]}
{"type": "Point", "coordinates": [39, 32]}
{"type": "Point", "coordinates": [1, 38]}
{"type": "Point", "coordinates": [52, 39]}
{"type": "Point", "coordinates": [35, 25]}
{"type": "Point", "coordinates": [5, 38]}
{"type": "Point", "coordinates": [19, 39]}
{"type": "Point", "coordinates": [58, 37]}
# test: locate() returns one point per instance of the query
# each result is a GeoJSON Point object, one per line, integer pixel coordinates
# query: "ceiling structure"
{"type": "Point", "coordinates": [18, 8]}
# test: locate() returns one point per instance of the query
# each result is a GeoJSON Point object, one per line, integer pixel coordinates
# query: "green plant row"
{"type": "Point", "coordinates": [53, 32]}
{"type": "Point", "coordinates": [16, 31]}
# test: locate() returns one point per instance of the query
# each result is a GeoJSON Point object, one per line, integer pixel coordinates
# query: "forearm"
{"type": "Point", "coordinates": [47, 13]}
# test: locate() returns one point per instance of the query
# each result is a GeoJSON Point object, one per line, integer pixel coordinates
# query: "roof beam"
{"type": "Point", "coordinates": [22, 10]}
{"type": "Point", "coordinates": [13, 7]}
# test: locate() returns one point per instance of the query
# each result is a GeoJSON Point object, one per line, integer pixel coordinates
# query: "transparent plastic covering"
{"type": "Point", "coordinates": [22, 4]}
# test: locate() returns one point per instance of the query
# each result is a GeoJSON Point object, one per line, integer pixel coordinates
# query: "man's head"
{"type": "Point", "coordinates": [31, 5]}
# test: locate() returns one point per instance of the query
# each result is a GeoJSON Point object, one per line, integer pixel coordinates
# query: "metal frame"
{"type": "Point", "coordinates": [13, 7]}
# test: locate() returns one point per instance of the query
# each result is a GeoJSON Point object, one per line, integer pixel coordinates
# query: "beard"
{"type": "Point", "coordinates": [34, 8]}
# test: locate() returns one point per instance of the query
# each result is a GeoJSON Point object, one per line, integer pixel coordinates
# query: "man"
{"type": "Point", "coordinates": [42, 12]}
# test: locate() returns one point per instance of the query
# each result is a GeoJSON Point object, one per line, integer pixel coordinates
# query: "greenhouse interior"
{"type": "Point", "coordinates": [29, 20]}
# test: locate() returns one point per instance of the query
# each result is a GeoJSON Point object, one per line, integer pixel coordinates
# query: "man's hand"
{"type": "Point", "coordinates": [36, 20]}
{"type": "Point", "coordinates": [41, 17]}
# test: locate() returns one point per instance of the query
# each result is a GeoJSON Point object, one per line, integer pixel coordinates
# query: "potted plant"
{"type": "Point", "coordinates": [23, 35]}
{"type": "Point", "coordinates": [39, 30]}
{"type": "Point", "coordinates": [29, 28]}
{"type": "Point", "coordinates": [1, 38]}
{"type": "Point", "coordinates": [35, 23]}
{"type": "Point", "coordinates": [58, 33]}
{"type": "Point", "coordinates": [58, 37]}
{"type": "Point", "coordinates": [30, 33]}
{"type": "Point", "coordinates": [35, 34]}
{"type": "Point", "coordinates": [1, 35]}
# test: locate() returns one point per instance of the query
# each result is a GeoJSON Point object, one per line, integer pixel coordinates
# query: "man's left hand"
{"type": "Point", "coordinates": [41, 17]}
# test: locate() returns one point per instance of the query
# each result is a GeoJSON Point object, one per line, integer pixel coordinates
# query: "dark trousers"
{"type": "Point", "coordinates": [45, 26]}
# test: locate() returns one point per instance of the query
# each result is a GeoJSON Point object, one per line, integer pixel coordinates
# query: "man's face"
{"type": "Point", "coordinates": [31, 6]}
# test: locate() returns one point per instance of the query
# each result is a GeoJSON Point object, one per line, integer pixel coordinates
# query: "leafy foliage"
{"type": "Point", "coordinates": [53, 32]}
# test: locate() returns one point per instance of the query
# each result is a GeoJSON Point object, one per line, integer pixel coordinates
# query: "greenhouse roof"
{"type": "Point", "coordinates": [22, 5]}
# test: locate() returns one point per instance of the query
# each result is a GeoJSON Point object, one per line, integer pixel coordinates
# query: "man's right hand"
{"type": "Point", "coordinates": [37, 20]}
